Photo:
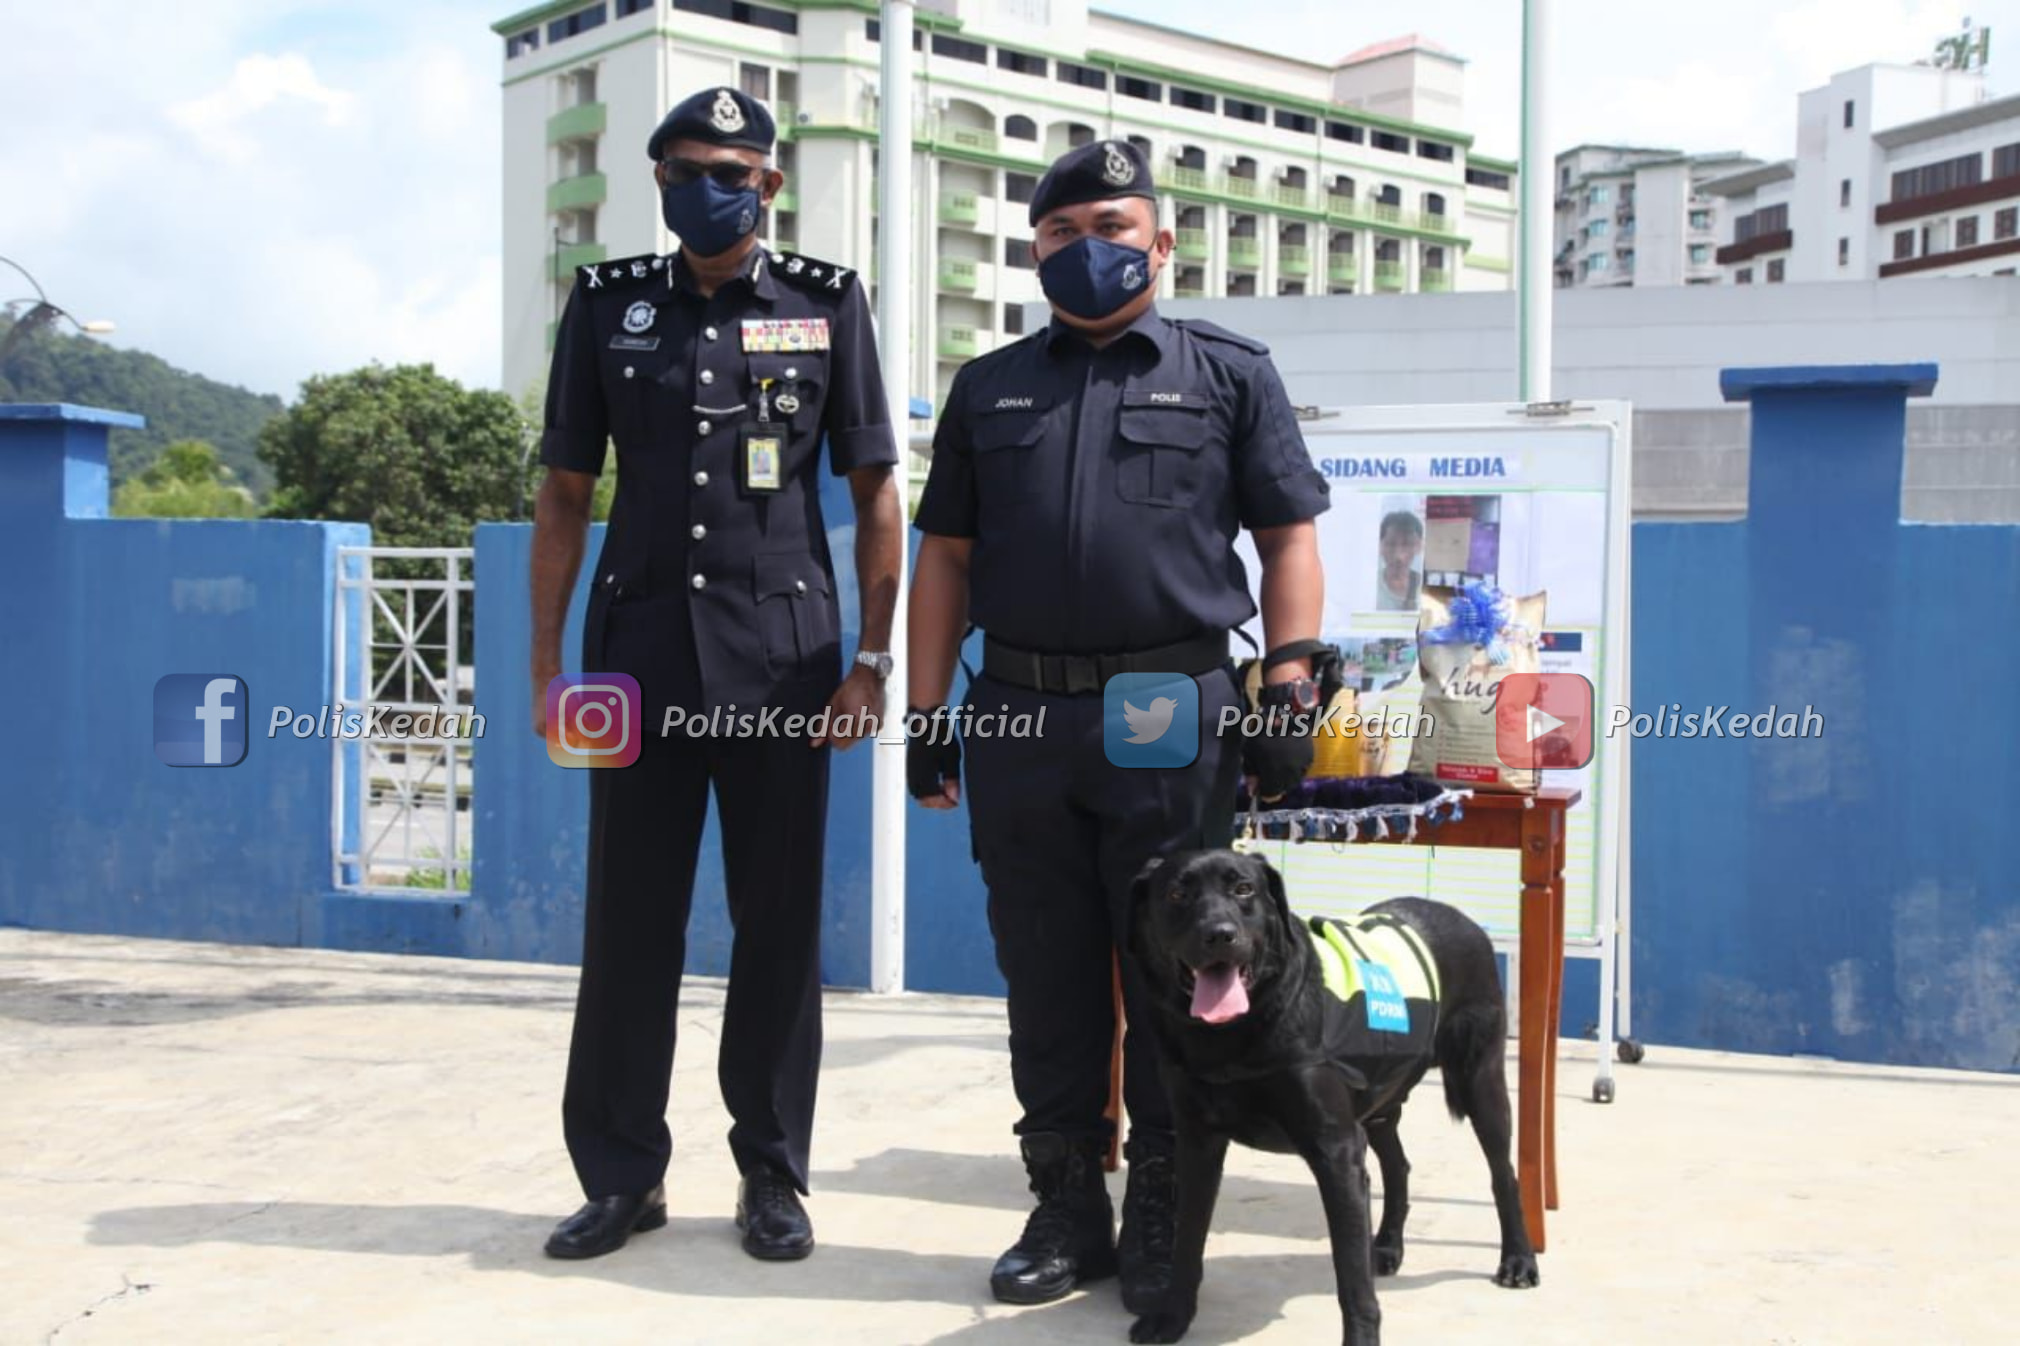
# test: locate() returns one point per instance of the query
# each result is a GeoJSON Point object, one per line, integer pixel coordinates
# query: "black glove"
{"type": "Point", "coordinates": [1281, 753]}
{"type": "Point", "coordinates": [932, 751]}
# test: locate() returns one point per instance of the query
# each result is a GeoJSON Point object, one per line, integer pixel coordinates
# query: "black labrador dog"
{"type": "Point", "coordinates": [1259, 1047]}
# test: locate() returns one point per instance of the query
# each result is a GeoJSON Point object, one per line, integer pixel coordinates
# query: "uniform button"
{"type": "Point", "coordinates": [703, 428]}
{"type": "Point", "coordinates": [610, 579]}
{"type": "Point", "coordinates": [698, 532]}
{"type": "Point", "coordinates": [627, 371]}
{"type": "Point", "coordinates": [792, 373]}
{"type": "Point", "coordinates": [708, 332]}
{"type": "Point", "coordinates": [701, 478]}
{"type": "Point", "coordinates": [700, 582]}
{"type": "Point", "coordinates": [707, 377]}
{"type": "Point", "coordinates": [799, 586]}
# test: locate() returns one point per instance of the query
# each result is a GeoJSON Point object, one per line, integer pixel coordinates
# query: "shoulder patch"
{"type": "Point", "coordinates": [811, 273]}
{"type": "Point", "coordinates": [1215, 332]}
{"type": "Point", "coordinates": [624, 271]}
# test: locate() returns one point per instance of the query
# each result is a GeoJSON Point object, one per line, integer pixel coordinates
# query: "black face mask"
{"type": "Point", "coordinates": [709, 219]}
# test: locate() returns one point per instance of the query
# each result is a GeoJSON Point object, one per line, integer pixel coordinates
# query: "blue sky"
{"type": "Point", "coordinates": [261, 191]}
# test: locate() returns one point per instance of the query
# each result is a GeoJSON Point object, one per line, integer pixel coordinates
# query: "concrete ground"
{"type": "Point", "coordinates": [216, 1144]}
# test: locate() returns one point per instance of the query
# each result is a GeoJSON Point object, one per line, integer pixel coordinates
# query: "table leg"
{"type": "Point", "coordinates": [1537, 1028]}
{"type": "Point", "coordinates": [1114, 1113]}
{"type": "Point", "coordinates": [1556, 1019]}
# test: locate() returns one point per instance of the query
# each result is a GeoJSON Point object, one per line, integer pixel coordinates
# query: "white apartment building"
{"type": "Point", "coordinates": [1279, 175]}
{"type": "Point", "coordinates": [1635, 216]}
{"type": "Point", "coordinates": [1900, 170]}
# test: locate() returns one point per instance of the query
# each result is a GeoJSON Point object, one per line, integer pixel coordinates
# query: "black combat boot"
{"type": "Point", "coordinates": [1149, 1210]}
{"type": "Point", "coordinates": [1070, 1238]}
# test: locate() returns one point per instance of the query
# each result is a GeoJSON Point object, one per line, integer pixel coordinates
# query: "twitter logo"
{"type": "Point", "coordinates": [1151, 720]}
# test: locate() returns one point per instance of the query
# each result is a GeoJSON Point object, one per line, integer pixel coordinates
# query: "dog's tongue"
{"type": "Point", "coordinates": [1217, 994]}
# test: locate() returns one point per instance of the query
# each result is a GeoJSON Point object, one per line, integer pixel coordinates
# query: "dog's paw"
{"type": "Point", "coordinates": [1517, 1271]}
{"type": "Point", "coordinates": [1388, 1257]}
{"type": "Point", "coordinates": [1164, 1325]}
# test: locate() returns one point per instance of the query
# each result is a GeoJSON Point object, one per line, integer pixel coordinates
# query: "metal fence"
{"type": "Point", "coordinates": [401, 805]}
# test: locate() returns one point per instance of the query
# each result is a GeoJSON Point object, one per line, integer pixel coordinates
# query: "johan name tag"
{"type": "Point", "coordinates": [634, 343]}
{"type": "Point", "coordinates": [784, 334]}
{"type": "Point", "coordinates": [763, 459]}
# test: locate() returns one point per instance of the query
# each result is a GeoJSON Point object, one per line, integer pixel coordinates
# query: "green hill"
{"type": "Point", "coordinates": [51, 367]}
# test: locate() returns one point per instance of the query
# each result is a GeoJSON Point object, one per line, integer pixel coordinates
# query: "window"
{"type": "Point", "coordinates": [1143, 143]}
{"type": "Point", "coordinates": [1597, 229]}
{"type": "Point", "coordinates": [1192, 98]}
{"type": "Point", "coordinates": [736, 11]}
{"type": "Point", "coordinates": [1390, 195]}
{"type": "Point", "coordinates": [2006, 223]}
{"type": "Point", "coordinates": [1775, 271]}
{"type": "Point", "coordinates": [873, 29]}
{"type": "Point", "coordinates": [1244, 111]}
{"type": "Point", "coordinates": [1022, 63]}
{"type": "Point", "coordinates": [960, 49]}
{"type": "Point", "coordinates": [1700, 220]}
{"type": "Point", "coordinates": [1087, 77]}
{"type": "Point", "coordinates": [1596, 263]}
{"type": "Point", "coordinates": [581, 21]}
{"type": "Point", "coordinates": [1395, 144]}
{"type": "Point", "coordinates": [1344, 131]}
{"type": "Point", "coordinates": [1017, 254]}
{"type": "Point", "coordinates": [1018, 127]}
{"type": "Point", "coordinates": [1598, 196]}
{"type": "Point", "coordinates": [1078, 135]}
{"type": "Point", "coordinates": [1967, 232]}
{"type": "Point", "coordinates": [1290, 287]}
{"type": "Point", "coordinates": [1700, 253]}
{"type": "Point", "coordinates": [755, 80]}
{"type": "Point", "coordinates": [1020, 187]}
{"type": "Point", "coordinates": [1962, 171]}
{"type": "Point", "coordinates": [1844, 193]}
{"type": "Point", "coordinates": [1388, 250]}
{"type": "Point", "coordinates": [1904, 245]}
{"type": "Point", "coordinates": [1850, 108]}
{"type": "Point", "coordinates": [1129, 86]}
{"type": "Point", "coordinates": [1240, 285]}
{"type": "Point", "coordinates": [1766, 220]}
{"type": "Point", "coordinates": [1296, 121]}
{"type": "Point", "coordinates": [1434, 258]}
{"type": "Point", "coordinates": [521, 43]}
{"type": "Point", "coordinates": [1480, 177]}
{"type": "Point", "coordinates": [1434, 204]}
{"type": "Point", "coordinates": [1844, 252]}
{"type": "Point", "coordinates": [1191, 156]}
{"type": "Point", "coordinates": [627, 8]}
{"type": "Point", "coordinates": [1433, 149]}
{"type": "Point", "coordinates": [1743, 276]}
{"type": "Point", "coordinates": [1013, 320]}
{"type": "Point", "coordinates": [2006, 161]}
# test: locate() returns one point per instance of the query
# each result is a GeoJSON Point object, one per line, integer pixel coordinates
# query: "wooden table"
{"type": "Point", "coordinates": [1534, 825]}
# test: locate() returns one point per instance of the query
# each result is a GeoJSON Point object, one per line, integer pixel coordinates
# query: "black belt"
{"type": "Point", "coordinates": [1074, 674]}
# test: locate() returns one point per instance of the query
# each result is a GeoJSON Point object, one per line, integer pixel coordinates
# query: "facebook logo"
{"type": "Point", "coordinates": [200, 719]}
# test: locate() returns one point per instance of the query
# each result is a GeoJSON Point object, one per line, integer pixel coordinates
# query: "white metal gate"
{"type": "Point", "coordinates": [400, 820]}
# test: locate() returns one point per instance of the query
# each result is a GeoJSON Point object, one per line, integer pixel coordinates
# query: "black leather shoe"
{"type": "Point", "coordinates": [1148, 1214]}
{"type": "Point", "coordinates": [603, 1225]}
{"type": "Point", "coordinates": [1070, 1238]}
{"type": "Point", "coordinates": [774, 1223]}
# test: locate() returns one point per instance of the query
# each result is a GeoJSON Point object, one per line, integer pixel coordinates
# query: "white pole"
{"type": "Point", "coordinates": [894, 337]}
{"type": "Point", "coordinates": [1534, 285]}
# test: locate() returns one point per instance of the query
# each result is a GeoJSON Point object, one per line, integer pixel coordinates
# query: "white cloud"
{"type": "Point", "coordinates": [218, 120]}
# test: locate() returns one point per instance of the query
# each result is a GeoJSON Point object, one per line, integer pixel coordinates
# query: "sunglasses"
{"type": "Point", "coordinates": [729, 176]}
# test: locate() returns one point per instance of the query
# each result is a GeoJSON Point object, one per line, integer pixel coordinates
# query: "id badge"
{"type": "Point", "coordinates": [763, 459]}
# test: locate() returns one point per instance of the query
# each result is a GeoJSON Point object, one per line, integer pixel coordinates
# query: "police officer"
{"type": "Point", "coordinates": [1088, 482]}
{"type": "Point", "coordinates": [718, 371]}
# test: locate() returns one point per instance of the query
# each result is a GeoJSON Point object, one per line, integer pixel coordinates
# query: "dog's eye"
{"type": "Point", "coordinates": [1244, 889]}
{"type": "Point", "coordinates": [1174, 895]}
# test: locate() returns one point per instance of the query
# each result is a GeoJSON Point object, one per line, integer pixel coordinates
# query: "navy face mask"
{"type": "Point", "coordinates": [1092, 277]}
{"type": "Point", "coordinates": [709, 219]}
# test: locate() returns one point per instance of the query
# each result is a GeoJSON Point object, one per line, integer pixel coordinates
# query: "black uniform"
{"type": "Point", "coordinates": [1103, 490]}
{"type": "Point", "coordinates": [714, 590]}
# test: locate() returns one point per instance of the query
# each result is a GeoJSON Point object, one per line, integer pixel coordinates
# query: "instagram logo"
{"type": "Point", "coordinates": [592, 720]}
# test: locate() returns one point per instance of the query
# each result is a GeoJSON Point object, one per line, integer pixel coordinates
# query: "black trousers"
{"type": "Point", "coordinates": [1061, 832]}
{"type": "Point", "coordinates": [645, 826]}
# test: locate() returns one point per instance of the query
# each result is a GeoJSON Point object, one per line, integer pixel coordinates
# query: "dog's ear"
{"type": "Point", "coordinates": [1277, 894]}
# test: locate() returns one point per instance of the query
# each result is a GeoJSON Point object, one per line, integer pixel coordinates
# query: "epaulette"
{"type": "Point", "coordinates": [622, 272]}
{"type": "Point", "coordinates": [811, 273]}
{"type": "Point", "coordinates": [1215, 332]}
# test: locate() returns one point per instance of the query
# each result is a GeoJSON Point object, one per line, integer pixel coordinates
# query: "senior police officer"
{"type": "Point", "coordinates": [718, 372]}
{"type": "Point", "coordinates": [1088, 482]}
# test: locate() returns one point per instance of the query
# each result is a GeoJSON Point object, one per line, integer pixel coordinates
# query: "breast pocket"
{"type": "Point", "coordinates": [635, 388]}
{"type": "Point", "coordinates": [796, 617]}
{"type": "Point", "coordinates": [1160, 453]}
{"type": "Point", "coordinates": [790, 390]}
{"type": "Point", "coordinates": [1006, 456]}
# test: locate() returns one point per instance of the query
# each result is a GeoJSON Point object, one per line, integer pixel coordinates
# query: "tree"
{"type": "Point", "coordinates": [186, 481]}
{"type": "Point", "coordinates": [407, 450]}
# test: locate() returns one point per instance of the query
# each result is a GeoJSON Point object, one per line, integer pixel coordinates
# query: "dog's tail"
{"type": "Point", "coordinates": [1470, 1038]}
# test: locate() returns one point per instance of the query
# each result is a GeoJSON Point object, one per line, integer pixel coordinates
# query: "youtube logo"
{"type": "Point", "coordinates": [1543, 721]}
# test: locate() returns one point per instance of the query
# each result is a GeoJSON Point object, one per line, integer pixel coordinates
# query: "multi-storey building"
{"type": "Point", "coordinates": [1631, 216]}
{"type": "Point", "coordinates": [1280, 176]}
{"type": "Point", "coordinates": [1900, 170]}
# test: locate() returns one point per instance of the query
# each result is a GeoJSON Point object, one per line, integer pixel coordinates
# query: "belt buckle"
{"type": "Point", "coordinates": [1083, 674]}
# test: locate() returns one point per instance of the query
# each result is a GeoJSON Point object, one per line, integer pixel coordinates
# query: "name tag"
{"type": "Point", "coordinates": [1388, 1011]}
{"type": "Point", "coordinates": [784, 334]}
{"type": "Point", "coordinates": [1162, 397]}
{"type": "Point", "coordinates": [634, 343]}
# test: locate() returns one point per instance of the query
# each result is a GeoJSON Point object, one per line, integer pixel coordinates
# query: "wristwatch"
{"type": "Point", "coordinates": [1301, 695]}
{"type": "Point", "coordinates": [878, 662]}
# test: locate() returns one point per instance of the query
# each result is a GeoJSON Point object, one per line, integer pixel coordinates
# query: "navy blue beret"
{"type": "Point", "coordinates": [718, 116]}
{"type": "Point", "coordinates": [1099, 171]}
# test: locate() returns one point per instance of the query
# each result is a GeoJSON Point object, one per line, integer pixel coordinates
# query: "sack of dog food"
{"type": "Point", "coordinates": [1468, 640]}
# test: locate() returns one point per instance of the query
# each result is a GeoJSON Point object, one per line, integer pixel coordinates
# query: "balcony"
{"type": "Point", "coordinates": [1294, 259]}
{"type": "Point", "coordinates": [960, 208]}
{"type": "Point", "coordinates": [1195, 291]}
{"type": "Point", "coordinates": [977, 138]}
{"type": "Point", "coordinates": [1956, 198]}
{"type": "Point", "coordinates": [959, 343]}
{"type": "Point", "coordinates": [584, 189]}
{"type": "Point", "coordinates": [1193, 245]}
{"type": "Point", "coordinates": [561, 265]}
{"type": "Point", "coordinates": [1432, 280]}
{"type": "Point", "coordinates": [1778, 241]}
{"type": "Point", "coordinates": [577, 123]}
{"type": "Point", "coordinates": [1340, 207]}
{"type": "Point", "coordinates": [1342, 268]}
{"type": "Point", "coordinates": [957, 273]}
{"type": "Point", "coordinates": [1296, 198]}
{"type": "Point", "coordinates": [1242, 189]}
{"type": "Point", "coordinates": [1186, 179]}
{"type": "Point", "coordinates": [1244, 253]}
{"type": "Point", "coordinates": [1483, 262]}
{"type": "Point", "coordinates": [786, 115]}
{"type": "Point", "coordinates": [1389, 277]}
